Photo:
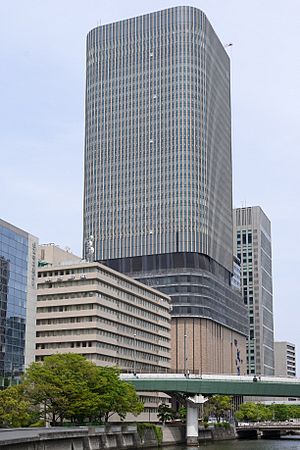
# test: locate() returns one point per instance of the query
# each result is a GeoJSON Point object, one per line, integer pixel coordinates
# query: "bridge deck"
{"type": "Point", "coordinates": [215, 384]}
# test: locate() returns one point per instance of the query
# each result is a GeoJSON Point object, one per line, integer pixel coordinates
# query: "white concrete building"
{"type": "Point", "coordinates": [285, 359]}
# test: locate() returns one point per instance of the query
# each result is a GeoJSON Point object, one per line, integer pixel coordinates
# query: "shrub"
{"type": "Point", "coordinates": [142, 427]}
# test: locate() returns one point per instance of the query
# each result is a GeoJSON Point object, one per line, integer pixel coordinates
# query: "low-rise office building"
{"type": "Point", "coordinates": [111, 319]}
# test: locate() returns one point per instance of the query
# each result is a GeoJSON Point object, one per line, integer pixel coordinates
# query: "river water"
{"type": "Point", "coordinates": [260, 444]}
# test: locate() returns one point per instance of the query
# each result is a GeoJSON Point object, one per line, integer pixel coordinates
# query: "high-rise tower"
{"type": "Point", "coordinates": [158, 189]}
{"type": "Point", "coordinates": [253, 246]}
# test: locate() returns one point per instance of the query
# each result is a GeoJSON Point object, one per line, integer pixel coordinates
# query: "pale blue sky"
{"type": "Point", "coordinates": [42, 71]}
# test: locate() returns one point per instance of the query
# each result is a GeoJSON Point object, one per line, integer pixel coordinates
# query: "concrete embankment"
{"type": "Point", "coordinates": [87, 438]}
{"type": "Point", "coordinates": [217, 434]}
{"type": "Point", "coordinates": [109, 437]}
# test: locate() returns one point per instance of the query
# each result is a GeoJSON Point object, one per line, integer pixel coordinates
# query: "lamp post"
{"type": "Point", "coordinates": [134, 354]}
{"type": "Point", "coordinates": [184, 354]}
{"type": "Point", "coordinates": [254, 354]}
{"type": "Point", "coordinates": [251, 350]}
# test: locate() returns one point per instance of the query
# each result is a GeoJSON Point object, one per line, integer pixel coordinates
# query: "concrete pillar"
{"type": "Point", "coordinates": [192, 432]}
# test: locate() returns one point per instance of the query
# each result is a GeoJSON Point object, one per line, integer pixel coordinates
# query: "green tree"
{"type": "Point", "coordinates": [294, 411]}
{"type": "Point", "coordinates": [218, 406]}
{"type": "Point", "coordinates": [165, 413]}
{"type": "Point", "coordinates": [281, 412]}
{"type": "Point", "coordinates": [116, 396]}
{"type": "Point", "coordinates": [15, 410]}
{"type": "Point", "coordinates": [68, 387]}
{"type": "Point", "coordinates": [247, 412]}
{"type": "Point", "coordinates": [61, 385]}
{"type": "Point", "coordinates": [182, 411]}
{"type": "Point", "coordinates": [253, 412]}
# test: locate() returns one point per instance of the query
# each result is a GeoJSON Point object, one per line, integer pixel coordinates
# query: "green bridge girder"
{"type": "Point", "coordinates": [209, 386]}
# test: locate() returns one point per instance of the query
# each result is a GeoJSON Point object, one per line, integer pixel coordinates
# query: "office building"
{"type": "Point", "coordinates": [90, 309]}
{"type": "Point", "coordinates": [18, 273]}
{"type": "Point", "coordinates": [157, 178]}
{"type": "Point", "coordinates": [252, 245]}
{"type": "Point", "coordinates": [236, 277]}
{"type": "Point", "coordinates": [285, 359]}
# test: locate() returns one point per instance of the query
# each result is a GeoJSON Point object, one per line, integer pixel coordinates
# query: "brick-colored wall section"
{"type": "Point", "coordinates": [210, 347]}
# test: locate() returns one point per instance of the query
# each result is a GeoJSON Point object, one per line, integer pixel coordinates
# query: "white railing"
{"type": "Point", "coordinates": [212, 377]}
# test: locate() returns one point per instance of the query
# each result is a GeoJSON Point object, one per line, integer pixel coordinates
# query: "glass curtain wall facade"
{"type": "Point", "coordinates": [157, 177]}
{"type": "Point", "coordinates": [158, 138]}
{"type": "Point", "coordinates": [253, 246]}
{"type": "Point", "coordinates": [18, 269]}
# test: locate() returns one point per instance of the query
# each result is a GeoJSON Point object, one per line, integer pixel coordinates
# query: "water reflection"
{"type": "Point", "coordinates": [261, 444]}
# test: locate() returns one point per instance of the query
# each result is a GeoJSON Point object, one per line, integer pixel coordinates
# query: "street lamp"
{"type": "Point", "coordinates": [184, 354]}
{"type": "Point", "coordinates": [252, 353]}
{"type": "Point", "coordinates": [134, 354]}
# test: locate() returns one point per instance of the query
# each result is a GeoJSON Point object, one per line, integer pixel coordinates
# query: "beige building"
{"type": "Point", "coordinates": [202, 346]}
{"type": "Point", "coordinates": [90, 309]}
{"type": "Point", "coordinates": [51, 254]}
{"type": "Point", "coordinates": [109, 318]}
{"type": "Point", "coordinates": [285, 359]}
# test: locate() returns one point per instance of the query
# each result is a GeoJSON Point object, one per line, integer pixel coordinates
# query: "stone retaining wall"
{"type": "Point", "coordinates": [83, 438]}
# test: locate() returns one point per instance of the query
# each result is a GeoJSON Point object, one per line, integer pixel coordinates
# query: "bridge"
{"type": "Point", "coordinates": [267, 429]}
{"type": "Point", "coordinates": [198, 386]}
{"type": "Point", "coordinates": [215, 384]}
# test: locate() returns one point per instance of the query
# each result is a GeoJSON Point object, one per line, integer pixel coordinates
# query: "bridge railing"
{"type": "Point", "coordinates": [284, 424]}
{"type": "Point", "coordinates": [216, 377]}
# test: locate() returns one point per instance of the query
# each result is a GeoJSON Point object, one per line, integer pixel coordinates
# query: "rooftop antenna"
{"type": "Point", "coordinates": [229, 46]}
{"type": "Point", "coordinates": [90, 250]}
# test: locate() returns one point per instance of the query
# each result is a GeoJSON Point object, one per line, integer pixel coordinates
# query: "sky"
{"type": "Point", "coordinates": [42, 83]}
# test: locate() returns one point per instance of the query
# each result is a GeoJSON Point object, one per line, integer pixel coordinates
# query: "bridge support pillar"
{"type": "Point", "coordinates": [192, 432]}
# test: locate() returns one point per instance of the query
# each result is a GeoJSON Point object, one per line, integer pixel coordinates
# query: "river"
{"type": "Point", "coordinates": [260, 444]}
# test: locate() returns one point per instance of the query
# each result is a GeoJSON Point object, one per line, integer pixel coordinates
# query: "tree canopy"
{"type": "Point", "coordinates": [218, 406]}
{"type": "Point", "coordinates": [69, 387]}
{"type": "Point", "coordinates": [257, 412]}
{"type": "Point", "coordinates": [165, 413]}
{"type": "Point", "coordinates": [15, 409]}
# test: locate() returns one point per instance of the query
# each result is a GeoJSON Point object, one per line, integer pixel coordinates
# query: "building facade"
{"type": "Point", "coordinates": [112, 320]}
{"type": "Point", "coordinates": [285, 359]}
{"type": "Point", "coordinates": [158, 138]}
{"type": "Point", "coordinates": [18, 274]}
{"type": "Point", "coordinates": [158, 182]}
{"type": "Point", "coordinates": [52, 255]}
{"type": "Point", "coordinates": [253, 246]}
{"type": "Point", "coordinates": [236, 278]}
